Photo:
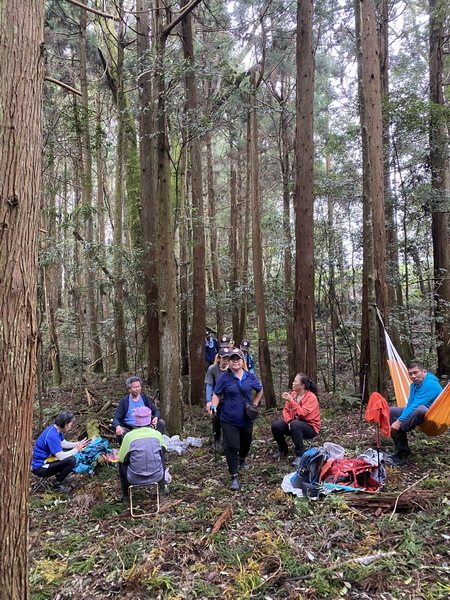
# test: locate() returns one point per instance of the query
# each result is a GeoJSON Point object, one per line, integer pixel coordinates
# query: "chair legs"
{"type": "Point", "coordinates": [132, 508]}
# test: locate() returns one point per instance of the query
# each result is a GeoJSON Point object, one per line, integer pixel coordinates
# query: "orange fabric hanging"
{"type": "Point", "coordinates": [437, 419]}
{"type": "Point", "coordinates": [377, 411]}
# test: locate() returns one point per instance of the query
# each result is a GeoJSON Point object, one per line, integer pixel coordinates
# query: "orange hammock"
{"type": "Point", "coordinates": [437, 418]}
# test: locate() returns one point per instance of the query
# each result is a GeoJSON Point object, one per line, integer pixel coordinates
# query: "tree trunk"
{"type": "Point", "coordinates": [198, 323]}
{"type": "Point", "coordinates": [399, 328]}
{"type": "Point", "coordinates": [374, 238]}
{"type": "Point", "coordinates": [215, 266]}
{"type": "Point", "coordinates": [148, 165]}
{"type": "Point", "coordinates": [304, 327]}
{"type": "Point", "coordinates": [87, 187]}
{"type": "Point", "coordinates": [119, 315]}
{"type": "Point", "coordinates": [21, 51]}
{"type": "Point", "coordinates": [440, 182]}
{"type": "Point", "coordinates": [265, 367]}
{"type": "Point", "coordinates": [167, 277]}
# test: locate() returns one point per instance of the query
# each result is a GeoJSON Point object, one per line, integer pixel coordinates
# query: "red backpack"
{"type": "Point", "coordinates": [352, 472]}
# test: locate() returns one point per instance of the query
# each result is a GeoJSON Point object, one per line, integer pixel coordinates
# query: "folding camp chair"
{"type": "Point", "coordinates": [130, 494]}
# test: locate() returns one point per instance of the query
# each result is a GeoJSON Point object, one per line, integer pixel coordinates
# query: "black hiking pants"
{"type": "Point", "coordinates": [299, 431]}
{"type": "Point", "coordinates": [60, 468]}
{"type": "Point", "coordinates": [236, 444]}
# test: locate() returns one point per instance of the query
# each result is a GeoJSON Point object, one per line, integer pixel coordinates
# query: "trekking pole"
{"type": "Point", "coordinates": [378, 449]}
{"type": "Point", "coordinates": [213, 421]}
{"type": "Point", "coordinates": [363, 392]}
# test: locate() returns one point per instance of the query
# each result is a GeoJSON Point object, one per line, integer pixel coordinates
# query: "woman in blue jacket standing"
{"type": "Point", "coordinates": [236, 387]}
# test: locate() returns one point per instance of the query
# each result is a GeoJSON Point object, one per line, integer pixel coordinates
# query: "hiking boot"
{"type": "Point", "coordinates": [279, 454]}
{"type": "Point", "coordinates": [216, 445]}
{"type": "Point", "coordinates": [243, 466]}
{"type": "Point", "coordinates": [296, 461]}
{"type": "Point", "coordinates": [235, 484]}
{"type": "Point", "coordinates": [62, 489]}
{"type": "Point", "coordinates": [401, 445]}
{"type": "Point", "coordinates": [68, 479]}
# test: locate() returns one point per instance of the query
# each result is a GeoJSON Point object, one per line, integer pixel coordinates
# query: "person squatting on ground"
{"type": "Point", "coordinates": [235, 387]}
{"type": "Point", "coordinates": [52, 443]}
{"type": "Point", "coordinates": [423, 391]}
{"type": "Point", "coordinates": [124, 418]}
{"type": "Point", "coordinates": [211, 378]}
{"type": "Point", "coordinates": [301, 417]}
{"type": "Point", "coordinates": [141, 455]}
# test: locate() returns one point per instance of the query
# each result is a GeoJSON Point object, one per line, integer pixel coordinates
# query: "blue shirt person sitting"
{"type": "Point", "coordinates": [124, 418]}
{"type": "Point", "coordinates": [423, 391]}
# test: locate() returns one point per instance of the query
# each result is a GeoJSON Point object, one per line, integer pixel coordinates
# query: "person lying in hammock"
{"type": "Point", "coordinates": [423, 391]}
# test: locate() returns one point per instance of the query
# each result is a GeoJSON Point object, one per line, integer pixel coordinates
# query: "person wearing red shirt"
{"type": "Point", "coordinates": [301, 417]}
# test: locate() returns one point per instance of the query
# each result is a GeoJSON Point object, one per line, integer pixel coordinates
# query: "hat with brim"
{"type": "Point", "coordinates": [142, 416]}
{"type": "Point", "coordinates": [237, 353]}
{"type": "Point", "coordinates": [225, 340]}
{"type": "Point", "coordinates": [224, 353]}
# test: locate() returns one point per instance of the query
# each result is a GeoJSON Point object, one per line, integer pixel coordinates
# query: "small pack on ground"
{"type": "Point", "coordinates": [307, 476]}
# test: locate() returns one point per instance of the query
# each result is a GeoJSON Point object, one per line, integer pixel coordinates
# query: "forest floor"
{"type": "Point", "coordinates": [261, 543]}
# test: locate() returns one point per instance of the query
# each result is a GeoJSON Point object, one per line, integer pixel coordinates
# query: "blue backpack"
{"type": "Point", "coordinates": [307, 476]}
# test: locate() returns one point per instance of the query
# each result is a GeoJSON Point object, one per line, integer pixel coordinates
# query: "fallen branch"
{"type": "Point", "coordinates": [226, 514]}
{"type": "Point", "coordinates": [404, 491]}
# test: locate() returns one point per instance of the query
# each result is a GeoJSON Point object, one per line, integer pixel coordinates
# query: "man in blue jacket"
{"type": "Point", "coordinates": [124, 418]}
{"type": "Point", "coordinates": [423, 391]}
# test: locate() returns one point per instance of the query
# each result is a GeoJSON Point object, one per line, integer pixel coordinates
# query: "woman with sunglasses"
{"type": "Point", "coordinates": [236, 387]}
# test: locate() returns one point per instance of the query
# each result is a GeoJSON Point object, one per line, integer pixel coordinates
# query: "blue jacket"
{"type": "Point", "coordinates": [122, 409]}
{"type": "Point", "coordinates": [422, 394]}
{"type": "Point", "coordinates": [228, 386]}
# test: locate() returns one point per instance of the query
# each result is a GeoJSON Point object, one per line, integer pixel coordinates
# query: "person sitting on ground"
{"type": "Point", "coordinates": [423, 391]}
{"type": "Point", "coordinates": [124, 418]}
{"type": "Point", "coordinates": [211, 349]}
{"type": "Point", "coordinates": [141, 455]}
{"type": "Point", "coordinates": [249, 360]}
{"type": "Point", "coordinates": [235, 387]}
{"type": "Point", "coordinates": [301, 417]}
{"type": "Point", "coordinates": [52, 443]}
{"type": "Point", "coordinates": [211, 378]}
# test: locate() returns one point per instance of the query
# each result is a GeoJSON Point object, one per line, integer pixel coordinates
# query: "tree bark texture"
{"type": "Point", "coordinates": [440, 182]}
{"type": "Point", "coordinates": [215, 265]}
{"type": "Point", "coordinates": [265, 367]}
{"type": "Point", "coordinates": [149, 206]}
{"type": "Point", "coordinates": [87, 200]}
{"type": "Point", "coordinates": [198, 323]}
{"type": "Point", "coordinates": [169, 342]}
{"type": "Point", "coordinates": [374, 236]}
{"type": "Point", "coordinates": [304, 327]}
{"type": "Point", "coordinates": [21, 78]}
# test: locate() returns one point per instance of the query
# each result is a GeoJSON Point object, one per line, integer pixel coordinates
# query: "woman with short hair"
{"type": "Point", "coordinates": [52, 443]}
{"type": "Point", "coordinates": [301, 417]}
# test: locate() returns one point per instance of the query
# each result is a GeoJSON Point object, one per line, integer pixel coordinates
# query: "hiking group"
{"type": "Point", "coordinates": [232, 395]}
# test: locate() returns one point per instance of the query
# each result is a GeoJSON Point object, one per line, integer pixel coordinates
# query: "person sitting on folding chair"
{"type": "Point", "coordinates": [51, 444]}
{"type": "Point", "coordinates": [141, 455]}
{"type": "Point", "coordinates": [423, 391]}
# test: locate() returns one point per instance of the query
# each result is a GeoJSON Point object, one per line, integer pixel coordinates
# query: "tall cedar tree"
{"type": "Point", "coordinates": [147, 154]}
{"type": "Point", "coordinates": [374, 237]}
{"type": "Point", "coordinates": [304, 327]}
{"type": "Point", "coordinates": [198, 325]}
{"type": "Point", "coordinates": [440, 181]}
{"type": "Point", "coordinates": [21, 50]}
